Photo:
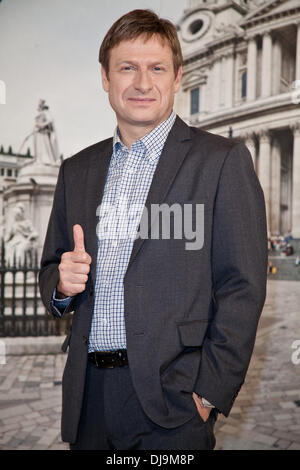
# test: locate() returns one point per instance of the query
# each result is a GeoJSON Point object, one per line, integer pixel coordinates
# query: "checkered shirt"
{"type": "Point", "coordinates": [127, 185]}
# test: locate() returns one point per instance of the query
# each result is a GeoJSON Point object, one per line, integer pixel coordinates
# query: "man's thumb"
{"type": "Point", "coordinates": [78, 238]}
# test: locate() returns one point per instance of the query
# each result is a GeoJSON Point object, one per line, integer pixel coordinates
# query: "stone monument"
{"type": "Point", "coordinates": [27, 202]}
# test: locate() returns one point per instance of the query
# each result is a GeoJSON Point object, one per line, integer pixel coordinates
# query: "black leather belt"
{"type": "Point", "coordinates": [109, 359]}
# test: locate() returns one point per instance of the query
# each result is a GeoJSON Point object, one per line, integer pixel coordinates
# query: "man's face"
{"type": "Point", "coordinates": [141, 82]}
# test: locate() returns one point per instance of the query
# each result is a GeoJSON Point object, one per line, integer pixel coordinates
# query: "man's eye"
{"type": "Point", "coordinates": [127, 67]}
{"type": "Point", "coordinates": [157, 68]}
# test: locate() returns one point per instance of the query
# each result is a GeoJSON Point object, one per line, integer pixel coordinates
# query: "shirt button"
{"type": "Point", "coordinates": [104, 321]}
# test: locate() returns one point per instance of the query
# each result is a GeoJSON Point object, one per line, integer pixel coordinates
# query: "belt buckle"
{"type": "Point", "coordinates": [104, 366]}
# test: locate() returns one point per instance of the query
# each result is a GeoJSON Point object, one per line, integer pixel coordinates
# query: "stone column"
{"type": "Point", "coordinates": [223, 81]}
{"type": "Point", "coordinates": [276, 72]}
{"type": "Point", "coordinates": [230, 80]}
{"type": "Point", "coordinates": [250, 144]}
{"type": "Point", "coordinates": [296, 182]}
{"type": "Point", "coordinates": [202, 98]}
{"type": "Point", "coordinates": [266, 75]}
{"type": "Point", "coordinates": [264, 170]}
{"type": "Point", "coordinates": [216, 84]}
{"type": "Point", "coordinates": [298, 52]}
{"type": "Point", "coordinates": [275, 187]}
{"type": "Point", "coordinates": [251, 69]}
{"type": "Point", "coordinates": [208, 88]}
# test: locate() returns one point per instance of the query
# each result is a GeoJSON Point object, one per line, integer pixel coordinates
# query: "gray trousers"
{"type": "Point", "coordinates": [113, 419]}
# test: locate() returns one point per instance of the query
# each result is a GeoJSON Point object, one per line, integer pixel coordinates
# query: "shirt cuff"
{"type": "Point", "coordinates": [61, 303]}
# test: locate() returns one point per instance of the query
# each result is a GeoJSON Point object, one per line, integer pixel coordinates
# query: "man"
{"type": "Point", "coordinates": [162, 331]}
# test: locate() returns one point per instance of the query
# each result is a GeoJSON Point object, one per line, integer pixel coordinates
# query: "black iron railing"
{"type": "Point", "coordinates": [22, 312]}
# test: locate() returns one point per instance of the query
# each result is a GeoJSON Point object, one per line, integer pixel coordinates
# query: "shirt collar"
{"type": "Point", "coordinates": [150, 145]}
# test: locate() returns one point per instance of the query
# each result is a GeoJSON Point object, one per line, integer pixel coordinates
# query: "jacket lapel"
{"type": "Point", "coordinates": [95, 183]}
{"type": "Point", "coordinates": [174, 152]}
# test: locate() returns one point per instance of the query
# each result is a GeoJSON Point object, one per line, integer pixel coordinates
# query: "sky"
{"type": "Point", "coordinates": [49, 50]}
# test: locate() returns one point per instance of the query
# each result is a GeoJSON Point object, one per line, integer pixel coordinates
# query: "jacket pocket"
{"type": "Point", "coordinates": [192, 332]}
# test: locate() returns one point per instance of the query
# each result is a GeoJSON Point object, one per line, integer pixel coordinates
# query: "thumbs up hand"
{"type": "Point", "coordinates": [74, 267]}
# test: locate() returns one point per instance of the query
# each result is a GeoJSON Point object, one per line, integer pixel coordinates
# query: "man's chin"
{"type": "Point", "coordinates": [143, 120]}
{"type": "Point", "coordinates": [146, 119]}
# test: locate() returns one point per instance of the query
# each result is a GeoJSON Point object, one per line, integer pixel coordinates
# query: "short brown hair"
{"type": "Point", "coordinates": [140, 23]}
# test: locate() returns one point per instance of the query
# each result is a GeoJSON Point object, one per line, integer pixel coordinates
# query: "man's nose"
{"type": "Point", "coordinates": [143, 81]}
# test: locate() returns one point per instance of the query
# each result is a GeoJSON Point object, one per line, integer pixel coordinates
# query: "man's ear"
{"type": "Point", "coordinates": [105, 80]}
{"type": "Point", "coordinates": [178, 80]}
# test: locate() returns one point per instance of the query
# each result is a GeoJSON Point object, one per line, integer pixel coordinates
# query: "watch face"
{"type": "Point", "coordinates": [195, 25]}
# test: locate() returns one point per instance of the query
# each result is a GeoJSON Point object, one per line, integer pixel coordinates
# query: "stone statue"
{"type": "Point", "coordinates": [45, 144]}
{"type": "Point", "coordinates": [21, 237]}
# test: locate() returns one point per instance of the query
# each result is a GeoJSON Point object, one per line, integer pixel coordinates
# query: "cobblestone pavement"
{"type": "Point", "coordinates": [266, 413]}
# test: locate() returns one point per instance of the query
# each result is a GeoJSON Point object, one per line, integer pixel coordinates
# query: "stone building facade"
{"type": "Point", "coordinates": [242, 79]}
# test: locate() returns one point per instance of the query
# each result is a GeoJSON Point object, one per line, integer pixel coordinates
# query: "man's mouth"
{"type": "Point", "coordinates": [142, 100]}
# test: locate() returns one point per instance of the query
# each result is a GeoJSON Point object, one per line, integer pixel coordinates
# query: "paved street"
{"type": "Point", "coordinates": [266, 414]}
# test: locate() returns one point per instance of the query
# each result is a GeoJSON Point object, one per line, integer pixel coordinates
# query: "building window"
{"type": "Point", "coordinates": [9, 172]}
{"type": "Point", "coordinates": [195, 26]}
{"type": "Point", "coordinates": [241, 91]}
{"type": "Point", "coordinates": [195, 101]}
{"type": "Point", "coordinates": [244, 84]}
{"type": "Point", "coordinates": [2, 171]}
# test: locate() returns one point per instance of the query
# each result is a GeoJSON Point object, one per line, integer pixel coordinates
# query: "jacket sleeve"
{"type": "Point", "coordinates": [239, 273]}
{"type": "Point", "coordinates": [56, 243]}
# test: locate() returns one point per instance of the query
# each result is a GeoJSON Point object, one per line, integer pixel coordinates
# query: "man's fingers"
{"type": "Point", "coordinates": [67, 268]}
{"type": "Point", "coordinates": [78, 236]}
{"type": "Point", "coordinates": [71, 257]}
{"type": "Point", "coordinates": [70, 289]}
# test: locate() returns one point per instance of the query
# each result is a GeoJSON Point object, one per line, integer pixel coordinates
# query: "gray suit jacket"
{"type": "Point", "coordinates": [191, 315]}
